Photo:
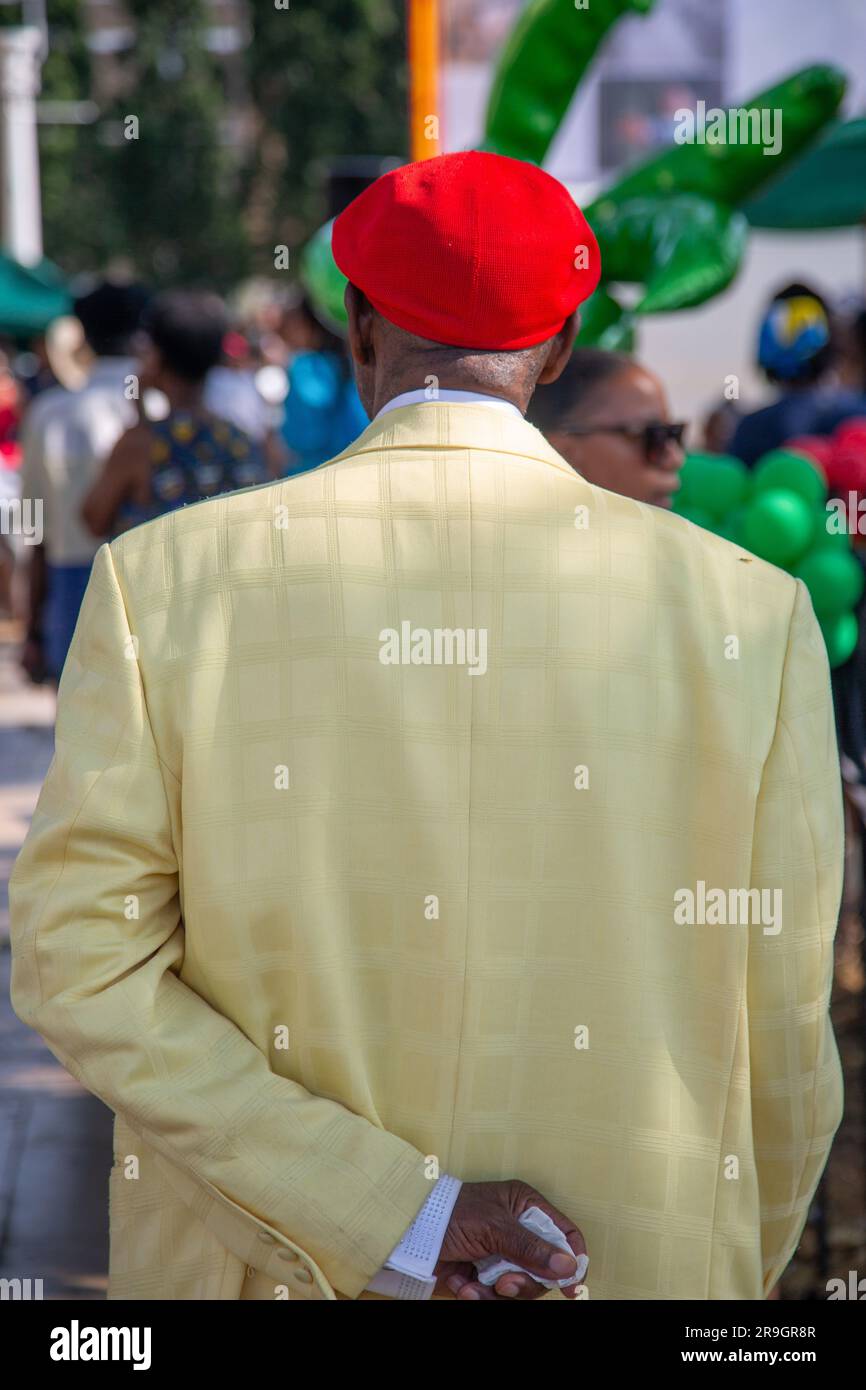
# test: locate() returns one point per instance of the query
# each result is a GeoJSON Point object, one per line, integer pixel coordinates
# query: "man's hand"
{"type": "Point", "coordinates": [485, 1222]}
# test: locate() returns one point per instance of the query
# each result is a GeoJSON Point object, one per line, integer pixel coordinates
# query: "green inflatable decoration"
{"type": "Point", "coordinates": [840, 634]}
{"type": "Point", "coordinates": [546, 54]}
{"type": "Point", "coordinates": [716, 483]}
{"type": "Point", "coordinates": [789, 469]}
{"type": "Point", "coordinates": [777, 513]}
{"type": "Point", "coordinates": [324, 282]}
{"type": "Point", "coordinates": [31, 296]}
{"type": "Point", "coordinates": [673, 224]}
{"type": "Point", "coordinates": [829, 540]}
{"type": "Point", "coordinates": [603, 323]}
{"type": "Point", "coordinates": [699, 516]}
{"type": "Point", "coordinates": [834, 580]}
{"type": "Point", "coordinates": [778, 526]}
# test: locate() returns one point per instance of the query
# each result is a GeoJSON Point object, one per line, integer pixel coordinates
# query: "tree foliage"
{"type": "Point", "coordinates": [325, 79]}
{"type": "Point", "coordinates": [328, 79]}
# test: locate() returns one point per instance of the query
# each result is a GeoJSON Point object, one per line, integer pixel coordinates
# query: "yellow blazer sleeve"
{"type": "Point", "coordinates": [796, 1079]}
{"type": "Point", "coordinates": [98, 943]}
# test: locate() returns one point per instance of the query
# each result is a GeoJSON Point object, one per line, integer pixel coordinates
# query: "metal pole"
{"type": "Point", "coordinates": [20, 80]}
{"type": "Point", "coordinates": [423, 25]}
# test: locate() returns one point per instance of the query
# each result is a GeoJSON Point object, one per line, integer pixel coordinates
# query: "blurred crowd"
{"type": "Point", "coordinates": [142, 403]}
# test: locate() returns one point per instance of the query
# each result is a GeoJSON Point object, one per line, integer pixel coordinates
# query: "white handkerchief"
{"type": "Point", "coordinates": [492, 1267]}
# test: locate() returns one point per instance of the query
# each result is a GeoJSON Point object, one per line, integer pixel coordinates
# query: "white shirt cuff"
{"type": "Point", "coordinates": [408, 1270]}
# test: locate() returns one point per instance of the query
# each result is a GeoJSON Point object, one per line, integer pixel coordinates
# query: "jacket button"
{"type": "Point", "coordinates": [304, 1276]}
{"type": "Point", "coordinates": [250, 1272]}
{"type": "Point", "coordinates": [267, 1238]}
{"type": "Point", "coordinates": [287, 1255]}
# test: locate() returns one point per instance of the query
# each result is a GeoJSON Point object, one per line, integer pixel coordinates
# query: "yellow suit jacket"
{"type": "Point", "coordinates": [313, 924]}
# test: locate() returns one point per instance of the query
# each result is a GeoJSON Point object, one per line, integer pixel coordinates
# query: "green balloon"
{"type": "Point", "coordinates": [778, 525]}
{"type": "Point", "coordinates": [840, 634]}
{"type": "Point", "coordinates": [732, 526]}
{"type": "Point", "coordinates": [324, 282]}
{"type": "Point", "coordinates": [834, 580]}
{"type": "Point", "coordinates": [784, 468]}
{"type": "Point", "coordinates": [715, 482]}
{"type": "Point", "coordinates": [698, 516]}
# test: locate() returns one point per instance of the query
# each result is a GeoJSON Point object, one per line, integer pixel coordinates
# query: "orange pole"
{"type": "Point", "coordinates": [423, 29]}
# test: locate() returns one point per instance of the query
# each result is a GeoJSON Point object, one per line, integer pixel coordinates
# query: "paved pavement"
{"type": "Point", "coordinates": [55, 1138]}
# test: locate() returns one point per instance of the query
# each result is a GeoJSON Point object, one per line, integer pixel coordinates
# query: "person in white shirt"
{"type": "Point", "coordinates": [66, 438]}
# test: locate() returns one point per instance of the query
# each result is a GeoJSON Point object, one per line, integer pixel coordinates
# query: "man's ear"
{"type": "Point", "coordinates": [560, 350]}
{"type": "Point", "coordinates": [360, 325]}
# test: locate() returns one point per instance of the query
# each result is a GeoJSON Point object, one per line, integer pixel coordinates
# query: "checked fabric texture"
{"type": "Point", "coordinates": [308, 922]}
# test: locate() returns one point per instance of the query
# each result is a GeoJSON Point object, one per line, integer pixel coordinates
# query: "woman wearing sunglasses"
{"type": "Point", "coordinates": [609, 418]}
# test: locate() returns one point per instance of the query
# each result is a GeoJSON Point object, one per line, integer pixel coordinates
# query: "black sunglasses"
{"type": "Point", "coordinates": [654, 437]}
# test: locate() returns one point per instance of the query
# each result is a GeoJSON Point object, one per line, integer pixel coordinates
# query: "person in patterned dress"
{"type": "Point", "coordinates": [191, 454]}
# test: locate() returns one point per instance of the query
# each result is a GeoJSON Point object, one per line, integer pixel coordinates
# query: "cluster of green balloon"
{"type": "Point", "coordinates": [778, 512]}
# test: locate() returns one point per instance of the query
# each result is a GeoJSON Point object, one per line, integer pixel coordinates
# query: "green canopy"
{"type": "Point", "coordinates": [30, 296]}
{"type": "Point", "coordinates": [826, 188]}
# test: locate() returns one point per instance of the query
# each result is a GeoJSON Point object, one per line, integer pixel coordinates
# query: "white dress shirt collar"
{"type": "Point", "coordinates": [420, 397]}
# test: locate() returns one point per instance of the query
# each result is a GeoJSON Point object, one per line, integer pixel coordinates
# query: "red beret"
{"type": "Point", "coordinates": [474, 250]}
